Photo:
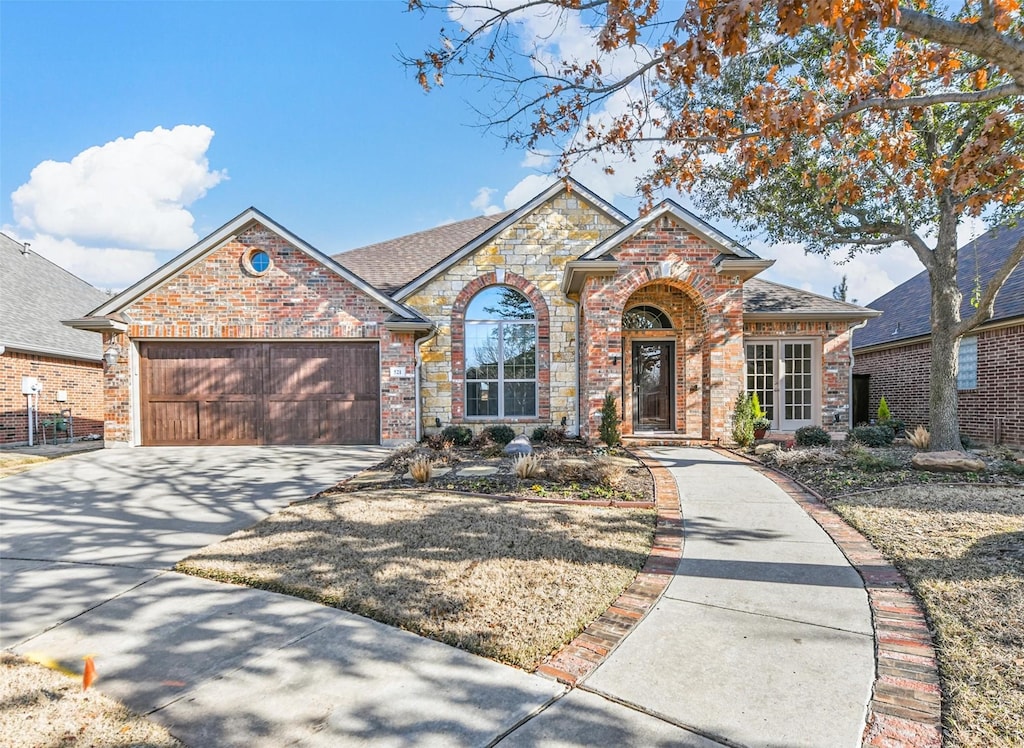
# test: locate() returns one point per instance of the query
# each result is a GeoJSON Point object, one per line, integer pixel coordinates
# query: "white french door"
{"type": "Point", "coordinates": [798, 386]}
{"type": "Point", "coordinates": [784, 375]}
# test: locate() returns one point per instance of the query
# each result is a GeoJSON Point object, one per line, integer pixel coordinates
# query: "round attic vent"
{"type": "Point", "coordinates": [256, 261]}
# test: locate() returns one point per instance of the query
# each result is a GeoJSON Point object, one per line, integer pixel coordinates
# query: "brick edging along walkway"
{"type": "Point", "coordinates": [906, 702]}
{"type": "Point", "coordinates": [580, 657]}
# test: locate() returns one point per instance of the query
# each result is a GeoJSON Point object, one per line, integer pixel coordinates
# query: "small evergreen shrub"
{"type": "Point", "coordinates": [873, 436]}
{"type": "Point", "coordinates": [884, 414]}
{"type": "Point", "coordinates": [743, 420]}
{"type": "Point", "coordinates": [500, 434]}
{"type": "Point", "coordinates": [813, 436]}
{"type": "Point", "coordinates": [460, 436]}
{"type": "Point", "coordinates": [610, 434]}
{"type": "Point", "coordinates": [539, 434]}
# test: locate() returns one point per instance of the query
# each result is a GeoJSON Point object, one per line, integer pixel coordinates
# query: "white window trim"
{"type": "Point", "coordinates": [502, 380]}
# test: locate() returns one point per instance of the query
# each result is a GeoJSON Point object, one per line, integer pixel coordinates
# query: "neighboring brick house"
{"type": "Point", "coordinates": [892, 352]}
{"type": "Point", "coordinates": [528, 318]}
{"type": "Point", "coordinates": [35, 295]}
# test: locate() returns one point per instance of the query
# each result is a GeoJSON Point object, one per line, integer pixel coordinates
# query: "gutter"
{"type": "Point", "coordinates": [416, 383]}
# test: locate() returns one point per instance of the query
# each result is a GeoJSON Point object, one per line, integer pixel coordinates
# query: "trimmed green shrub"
{"type": "Point", "coordinates": [501, 434]}
{"type": "Point", "coordinates": [813, 436]}
{"type": "Point", "coordinates": [460, 436]}
{"type": "Point", "coordinates": [884, 414]}
{"type": "Point", "coordinates": [873, 436]}
{"type": "Point", "coordinates": [610, 421]}
{"type": "Point", "coordinates": [743, 420]}
{"type": "Point", "coordinates": [875, 462]}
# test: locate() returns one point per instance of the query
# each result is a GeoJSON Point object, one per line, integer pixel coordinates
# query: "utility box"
{"type": "Point", "coordinates": [31, 386]}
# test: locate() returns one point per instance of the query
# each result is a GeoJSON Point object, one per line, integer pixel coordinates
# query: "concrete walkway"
{"type": "Point", "coordinates": [763, 638]}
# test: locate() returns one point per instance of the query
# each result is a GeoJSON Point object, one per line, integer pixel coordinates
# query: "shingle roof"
{"type": "Point", "coordinates": [391, 264]}
{"type": "Point", "coordinates": [35, 295]}
{"type": "Point", "coordinates": [765, 297]}
{"type": "Point", "coordinates": [907, 308]}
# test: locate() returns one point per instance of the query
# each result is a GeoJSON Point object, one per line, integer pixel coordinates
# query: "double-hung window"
{"type": "Point", "coordinates": [501, 355]}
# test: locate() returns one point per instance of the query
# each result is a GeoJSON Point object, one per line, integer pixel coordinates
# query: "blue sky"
{"type": "Point", "coordinates": [298, 108]}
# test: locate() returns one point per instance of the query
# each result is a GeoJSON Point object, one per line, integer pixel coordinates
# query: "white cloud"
{"type": "Point", "coordinates": [482, 202]}
{"type": "Point", "coordinates": [106, 213]}
{"type": "Point", "coordinates": [130, 191]}
{"type": "Point", "coordinates": [103, 267]}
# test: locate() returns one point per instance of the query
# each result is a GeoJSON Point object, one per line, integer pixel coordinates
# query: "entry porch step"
{"type": "Point", "coordinates": [666, 439]}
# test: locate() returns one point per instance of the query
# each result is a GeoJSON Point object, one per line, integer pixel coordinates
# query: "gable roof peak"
{"type": "Point", "coordinates": [223, 235]}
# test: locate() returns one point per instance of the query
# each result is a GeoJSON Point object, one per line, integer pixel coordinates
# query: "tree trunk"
{"type": "Point", "coordinates": [945, 348]}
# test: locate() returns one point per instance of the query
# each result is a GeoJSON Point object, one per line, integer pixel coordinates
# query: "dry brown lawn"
{"type": "Point", "coordinates": [12, 463]}
{"type": "Point", "coordinates": [41, 708]}
{"type": "Point", "coordinates": [962, 549]}
{"type": "Point", "coordinates": [512, 581]}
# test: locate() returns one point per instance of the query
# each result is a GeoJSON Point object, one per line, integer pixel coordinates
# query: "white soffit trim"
{"type": "Point", "coordinates": [693, 223]}
{"type": "Point", "coordinates": [562, 185]}
{"type": "Point", "coordinates": [222, 236]}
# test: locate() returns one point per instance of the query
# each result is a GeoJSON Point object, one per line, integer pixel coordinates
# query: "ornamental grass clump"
{"type": "Point", "coordinates": [526, 466]}
{"type": "Point", "coordinates": [421, 469]}
{"type": "Point", "coordinates": [919, 438]}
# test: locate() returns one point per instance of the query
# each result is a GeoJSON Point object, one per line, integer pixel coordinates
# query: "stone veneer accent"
{"type": "Point", "coordinates": [218, 298]}
{"type": "Point", "coordinates": [832, 339]}
{"type": "Point", "coordinates": [530, 255]}
{"type": "Point", "coordinates": [667, 255]}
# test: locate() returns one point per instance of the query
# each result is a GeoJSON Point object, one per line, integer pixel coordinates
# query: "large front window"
{"type": "Point", "coordinates": [784, 374]}
{"type": "Point", "coordinates": [501, 355]}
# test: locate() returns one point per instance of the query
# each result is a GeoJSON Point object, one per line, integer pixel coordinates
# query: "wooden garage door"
{"type": "Point", "coordinates": [260, 393]}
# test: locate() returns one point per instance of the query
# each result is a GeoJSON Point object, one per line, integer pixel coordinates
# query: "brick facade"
{"type": "Point", "coordinates": [530, 256]}
{"type": "Point", "coordinates": [219, 298]}
{"type": "Point", "coordinates": [664, 256]}
{"type": "Point", "coordinates": [81, 379]}
{"type": "Point", "coordinates": [990, 413]}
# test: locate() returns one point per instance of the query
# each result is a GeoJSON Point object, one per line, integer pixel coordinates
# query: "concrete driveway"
{"type": "Point", "coordinates": [86, 544]}
{"type": "Point", "coordinates": [76, 531]}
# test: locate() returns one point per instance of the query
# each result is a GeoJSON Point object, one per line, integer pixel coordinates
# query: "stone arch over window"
{"type": "Point", "coordinates": [542, 373]}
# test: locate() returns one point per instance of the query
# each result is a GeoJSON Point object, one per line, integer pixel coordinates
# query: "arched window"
{"type": "Point", "coordinates": [645, 318]}
{"type": "Point", "coordinates": [501, 355]}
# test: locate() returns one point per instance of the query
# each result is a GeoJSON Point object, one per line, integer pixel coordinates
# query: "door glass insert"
{"type": "Point", "coordinates": [797, 382]}
{"type": "Point", "coordinates": [761, 375]}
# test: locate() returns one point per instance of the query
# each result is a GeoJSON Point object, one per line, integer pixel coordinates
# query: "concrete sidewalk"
{"type": "Point", "coordinates": [763, 638]}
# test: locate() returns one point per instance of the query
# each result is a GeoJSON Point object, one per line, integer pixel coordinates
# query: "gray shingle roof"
{"type": "Point", "coordinates": [765, 297]}
{"type": "Point", "coordinates": [35, 295]}
{"type": "Point", "coordinates": [906, 309]}
{"type": "Point", "coordinates": [391, 264]}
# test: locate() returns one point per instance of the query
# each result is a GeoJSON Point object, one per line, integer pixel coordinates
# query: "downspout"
{"type": "Point", "coordinates": [576, 356]}
{"type": "Point", "coordinates": [416, 386]}
{"type": "Point", "coordinates": [849, 384]}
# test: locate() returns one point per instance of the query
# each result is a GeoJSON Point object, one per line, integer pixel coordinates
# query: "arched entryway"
{"type": "Point", "coordinates": [664, 361]}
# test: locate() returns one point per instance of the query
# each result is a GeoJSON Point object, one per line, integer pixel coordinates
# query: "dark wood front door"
{"type": "Point", "coordinates": [260, 393]}
{"type": "Point", "coordinates": [653, 364]}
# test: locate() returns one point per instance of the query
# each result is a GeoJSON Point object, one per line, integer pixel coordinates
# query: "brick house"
{"type": "Point", "coordinates": [35, 295]}
{"type": "Point", "coordinates": [527, 318]}
{"type": "Point", "coordinates": [892, 352]}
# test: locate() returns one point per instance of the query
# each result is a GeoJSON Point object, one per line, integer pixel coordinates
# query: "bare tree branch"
{"type": "Point", "coordinates": [986, 305]}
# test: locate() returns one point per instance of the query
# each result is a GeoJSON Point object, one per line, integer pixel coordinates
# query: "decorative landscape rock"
{"type": "Point", "coordinates": [947, 462]}
{"type": "Point", "coordinates": [519, 446]}
{"type": "Point", "coordinates": [763, 449]}
{"type": "Point", "coordinates": [477, 471]}
{"type": "Point", "coordinates": [371, 477]}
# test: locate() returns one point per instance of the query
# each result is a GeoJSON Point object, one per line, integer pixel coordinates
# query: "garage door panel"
{"type": "Point", "coordinates": [230, 422]}
{"type": "Point", "coordinates": [260, 393]}
{"type": "Point", "coordinates": [172, 422]}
